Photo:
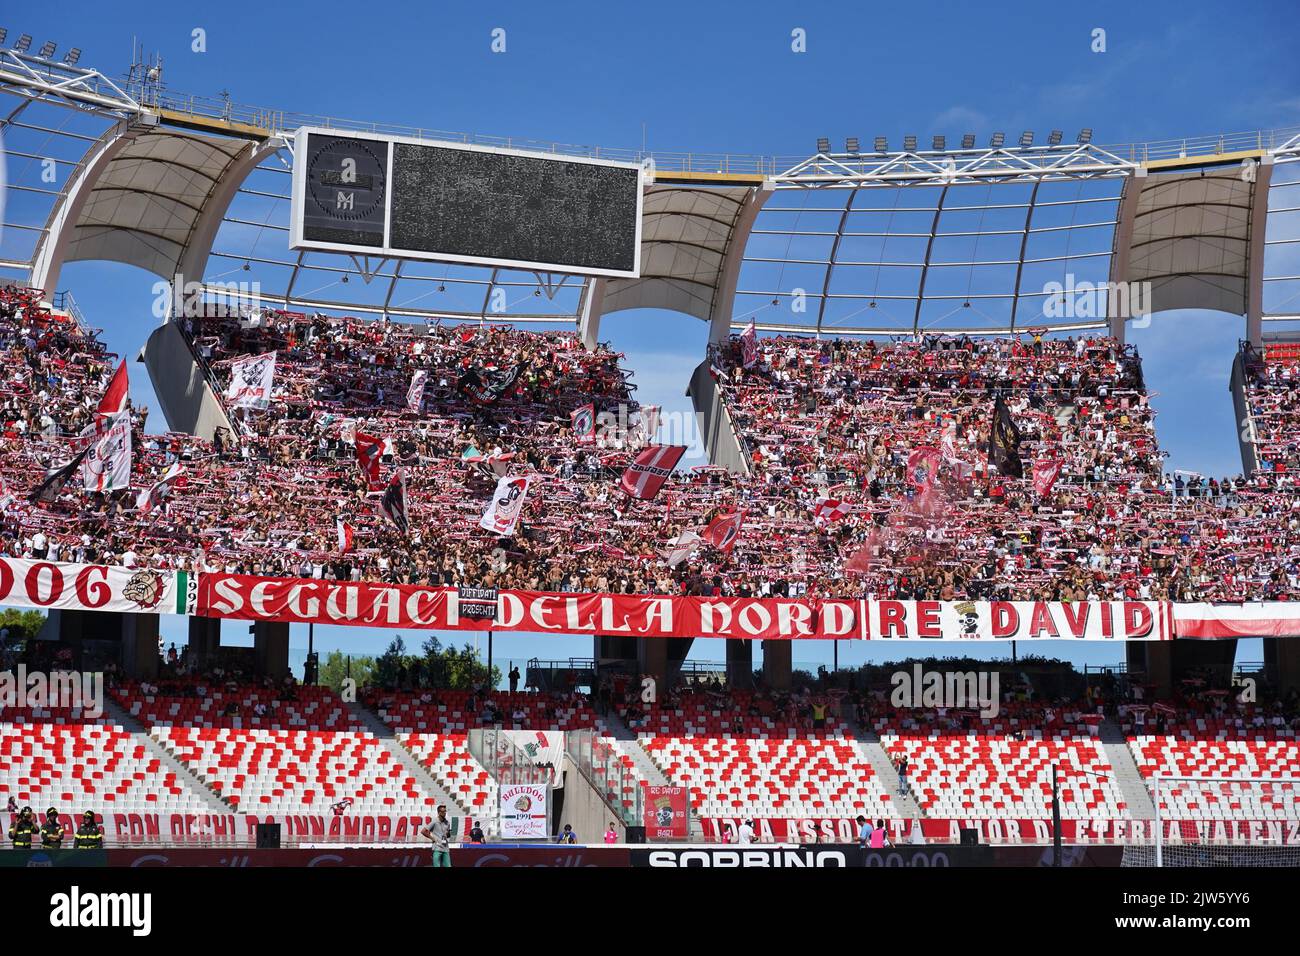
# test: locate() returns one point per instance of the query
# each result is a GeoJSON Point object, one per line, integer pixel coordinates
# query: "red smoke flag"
{"type": "Point", "coordinates": [650, 469]}
{"type": "Point", "coordinates": [923, 467]}
{"type": "Point", "coordinates": [114, 400]}
{"type": "Point", "coordinates": [369, 450]}
{"type": "Point", "coordinates": [827, 511]}
{"type": "Point", "coordinates": [862, 559]}
{"type": "Point", "coordinates": [724, 530]}
{"type": "Point", "coordinates": [1045, 475]}
{"type": "Point", "coordinates": [749, 345]}
{"type": "Point", "coordinates": [345, 536]}
{"type": "Point", "coordinates": [584, 424]}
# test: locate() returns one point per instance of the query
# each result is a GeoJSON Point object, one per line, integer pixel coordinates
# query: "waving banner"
{"type": "Point", "coordinates": [107, 465]}
{"type": "Point", "coordinates": [415, 394]}
{"type": "Point", "coordinates": [507, 502]}
{"type": "Point", "coordinates": [250, 381]}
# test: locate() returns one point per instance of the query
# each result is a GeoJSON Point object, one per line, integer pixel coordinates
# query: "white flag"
{"type": "Point", "coordinates": [415, 394]}
{"type": "Point", "coordinates": [507, 502]}
{"type": "Point", "coordinates": [682, 548]}
{"type": "Point", "coordinates": [107, 465]}
{"type": "Point", "coordinates": [151, 498]}
{"type": "Point", "coordinates": [250, 381]}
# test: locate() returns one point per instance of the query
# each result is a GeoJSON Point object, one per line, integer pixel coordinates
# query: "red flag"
{"type": "Point", "coordinates": [369, 450]}
{"type": "Point", "coordinates": [114, 400]}
{"type": "Point", "coordinates": [724, 530]}
{"type": "Point", "coordinates": [650, 469]}
{"type": "Point", "coordinates": [584, 424]}
{"type": "Point", "coordinates": [345, 536]}
{"type": "Point", "coordinates": [1045, 475]}
{"type": "Point", "coordinates": [749, 345]}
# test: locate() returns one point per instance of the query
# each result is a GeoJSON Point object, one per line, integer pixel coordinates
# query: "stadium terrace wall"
{"type": "Point", "coordinates": [48, 585]}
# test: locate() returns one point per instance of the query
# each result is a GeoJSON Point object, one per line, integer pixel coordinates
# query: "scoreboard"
{"type": "Point", "coordinates": [448, 202]}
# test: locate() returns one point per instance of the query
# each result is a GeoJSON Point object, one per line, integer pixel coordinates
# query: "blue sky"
{"type": "Point", "coordinates": [723, 78]}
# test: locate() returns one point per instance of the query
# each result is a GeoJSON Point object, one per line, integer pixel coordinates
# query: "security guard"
{"type": "Point", "coordinates": [23, 829]}
{"type": "Point", "coordinates": [89, 836]}
{"type": "Point", "coordinates": [51, 830]}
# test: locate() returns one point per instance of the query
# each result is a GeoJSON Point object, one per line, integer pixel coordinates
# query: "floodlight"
{"type": "Point", "coordinates": [823, 145]}
{"type": "Point", "coordinates": [882, 144]}
{"type": "Point", "coordinates": [3, 34]}
{"type": "Point", "coordinates": [997, 140]}
{"type": "Point", "coordinates": [909, 144]}
{"type": "Point", "coordinates": [73, 55]}
{"type": "Point", "coordinates": [968, 141]}
{"type": "Point", "coordinates": [940, 143]}
{"type": "Point", "coordinates": [24, 43]}
{"type": "Point", "coordinates": [1085, 136]}
{"type": "Point", "coordinates": [851, 144]}
{"type": "Point", "coordinates": [1054, 138]}
{"type": "Point", "coordinates": [1027, 138]}
{"type": "Point", "coordinates": [47, 49]}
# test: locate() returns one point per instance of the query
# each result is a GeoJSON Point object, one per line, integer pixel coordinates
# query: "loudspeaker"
{"type": "Point", "coordinates": [634, 835]}
{"type": "Point", "coordinates": [268, 836]}
{"type": "Point", "coordinates": [970, 836]}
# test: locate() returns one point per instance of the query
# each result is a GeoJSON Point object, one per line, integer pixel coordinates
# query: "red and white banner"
{"type": "Point", "coordinates": [95, 587]}
{"type": "Point", "coordinates": [415, 606]}
{"type": "Point", "coordinates": [649, 422]}
{"type": "Point", "coordinates": [502, 514]}
{"type": "Point", "coordinates": [650, 469]}
{"type": "Point", "coordinates": [1000, 832]}
{"type": "Point", "coordinates": [369, 450]}
{"type": "Point", "coordinates": [724, 531]}
{"type": "Point", "coordinates": [1217, 621]}
{"type": "Point", "coordinates": [1045, 475]}
{"type": "Point", "coordinates": [345, 536]}
{"type": "Point", "coordinates": [827, 511]}
{"type": "Point", "coordinates": [583, 421]}
{"type": "Point", "coordinates": [107, 465]}
{"type": "Point", "coordinates": [524, 812]}
{"type": "Point", "coordinates": [251, 380]}
{"type": "Point", "coordinates": [180, 829]}
{"type": "Point", "coordinates": [682, 548]}
{"type": "Point", "coordinates": [415, 394]}
{"type": "Point", "coordinates": [148, 499]}
{"type": "Point", "coordinates": [665, 812]}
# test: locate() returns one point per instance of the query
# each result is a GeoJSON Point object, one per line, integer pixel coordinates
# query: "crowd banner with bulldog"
{"type": "Point", "coordinates": [46, 585]}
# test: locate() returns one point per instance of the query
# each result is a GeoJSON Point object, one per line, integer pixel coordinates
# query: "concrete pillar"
{"type": "Point", "coordinates": [652, 659]}
{"type": "Point", "coordinates": [778, 664]}
{"type": "Point", "coordinates": [1155, 659]}
{"type": "Point", "coordinates": [1282, 662]}
{"type": "Point", "coordinates": [271, 648]}
{"type": "Point", "coordinates": [140, 645]}
{"type": "Point", "coordinates": [740, 663]}
{"type": "Point", "coordinates": [205, 638]}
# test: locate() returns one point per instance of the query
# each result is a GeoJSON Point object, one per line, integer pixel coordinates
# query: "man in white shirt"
{"type": "Point", "coordinates": [746, 832]}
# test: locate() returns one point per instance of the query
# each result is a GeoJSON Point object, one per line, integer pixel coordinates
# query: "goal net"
{"type": "Point", "coordinates": [1222, 821]}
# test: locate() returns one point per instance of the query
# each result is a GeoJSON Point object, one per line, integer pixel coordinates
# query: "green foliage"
{"type": "Point", "coordinates": [23, 625]}
{"type": "Point", "coordinates": [335, 670]}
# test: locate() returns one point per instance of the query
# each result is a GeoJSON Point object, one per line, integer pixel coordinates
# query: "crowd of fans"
{"type": "Point", "coordinates": [817, 420]}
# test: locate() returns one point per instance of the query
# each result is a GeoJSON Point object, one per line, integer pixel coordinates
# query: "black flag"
{"type": "Point", "coordinates": [55, 478]}
{"type": "Point", "coordinates": [484, 387]}
{"type": "Point", "coordinates": [393, 503]}
{"type": "Point", "coordinates": [1004, 442]}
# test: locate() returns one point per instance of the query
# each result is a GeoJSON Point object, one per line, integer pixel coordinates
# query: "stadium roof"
{"type": "Point", "coordinates": [887, 242]}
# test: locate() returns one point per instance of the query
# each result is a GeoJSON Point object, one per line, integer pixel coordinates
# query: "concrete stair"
{"type": "Point", "coordinates": [388, 740]}
{"type": "Point", "coordinates": [184, 772]}
{"type": "Point", "coordinates": [1134, 789]}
